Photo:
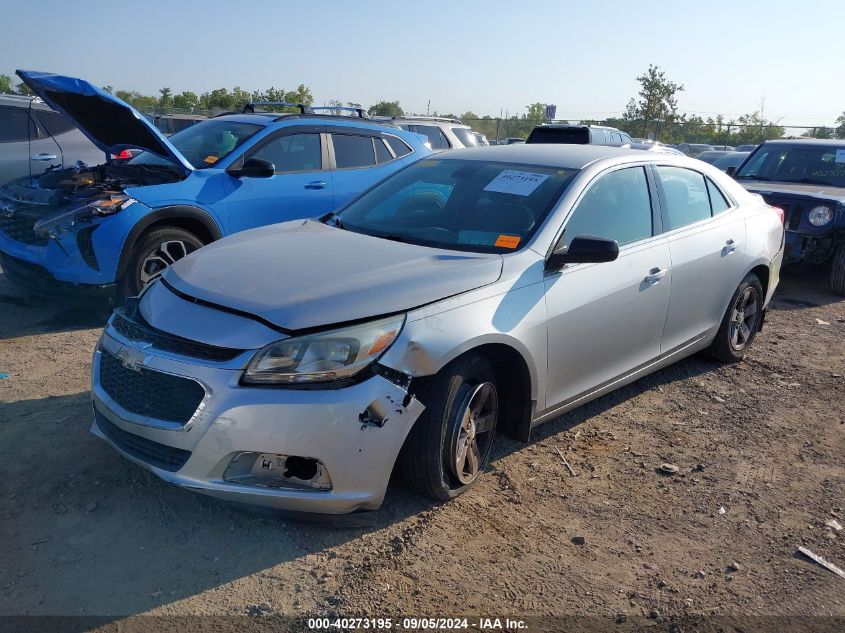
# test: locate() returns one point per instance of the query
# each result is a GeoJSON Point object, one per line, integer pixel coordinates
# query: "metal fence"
{"type": "Point", "coordinates": [731, 134]}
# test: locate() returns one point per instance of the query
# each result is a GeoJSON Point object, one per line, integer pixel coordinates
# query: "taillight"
{"type": "Point", "coordinates": [780, 213]}
{"type": "Point", "coordinates": [124, 155]}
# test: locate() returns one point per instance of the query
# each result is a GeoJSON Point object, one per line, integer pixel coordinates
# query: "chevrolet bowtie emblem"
{"type": "Point", "coordinates": [134, 357]}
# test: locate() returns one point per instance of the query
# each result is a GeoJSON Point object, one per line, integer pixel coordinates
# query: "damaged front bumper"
{"type": "Point", "coordinates": [85, 257]}
{"type": "Point", "coordinates": [235, 444]}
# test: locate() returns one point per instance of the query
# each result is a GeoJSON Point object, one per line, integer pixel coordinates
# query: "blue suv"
{"type": "Point", "coordinates": [115, 227]}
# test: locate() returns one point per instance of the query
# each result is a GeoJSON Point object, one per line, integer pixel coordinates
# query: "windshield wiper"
{"type": "Point", "coordinates": [811, 181]}
{"type": "Point", "coordinates": [753, 177]}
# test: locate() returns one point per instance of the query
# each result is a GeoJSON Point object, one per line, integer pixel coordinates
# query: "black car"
{"type": "Point", "coordinates": [805, 178]}
{"type": "Point", "coordinates": [578, 135]}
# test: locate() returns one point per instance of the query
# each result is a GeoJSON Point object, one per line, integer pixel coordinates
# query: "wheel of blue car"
{"type": "Point", "coordinates": [740, 323]}
{"type": "Point", "coordinates": [837, 272]}
{"type": "Point", "coordinates": [154, 252]}
{"type": "Point", "coordinates": [449, 446]}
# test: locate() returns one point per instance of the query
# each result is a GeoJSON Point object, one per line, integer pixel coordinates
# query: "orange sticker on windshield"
{"type": "Point", "coordinates": [210, 159]}
{"type": "Point", "coordinates": [507, 241]}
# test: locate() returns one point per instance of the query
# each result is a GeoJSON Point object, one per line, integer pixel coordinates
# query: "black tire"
{"type": "Point", "coordinates": [730, 344]}
{"type": "Point", "coordinates": [837, 272]}
{"type": "Point", "coordinates": [427, 460]}
{"type": "Point", "coordinates": [163, 240]}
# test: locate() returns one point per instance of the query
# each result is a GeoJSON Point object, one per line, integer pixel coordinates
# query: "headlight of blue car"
{"type": "Point", "coordinates": [821, 215]}
{"type": "Point", "coordinates": [57, 225]}
{"type": "Point", "coordinates": [323, 357]}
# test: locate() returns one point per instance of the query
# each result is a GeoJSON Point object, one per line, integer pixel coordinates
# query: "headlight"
{"type": "Point", "coordinates": [57, 225]}
{"type": "Point", "coordinates": [821, 215]}
{"type": "Point", "coordinates": [323, 357]}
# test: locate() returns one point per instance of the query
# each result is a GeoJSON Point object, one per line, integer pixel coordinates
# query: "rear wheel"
{"type": "Point", "coordinates": [740, 323]}
{"type": "Point", "coordinates": [154, 252]}
{"type": "Point", "coordinates": [837, 272]}
{"type": "Point", "coordinates": [449, 446]}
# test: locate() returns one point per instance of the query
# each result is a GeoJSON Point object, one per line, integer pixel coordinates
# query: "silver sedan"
{"type": "Point", "coordinates": [483, 291]}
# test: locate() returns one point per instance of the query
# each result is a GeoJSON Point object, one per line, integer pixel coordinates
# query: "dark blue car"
{"type": "Point", "coordinates": [805, 178]}
{"type": "Point", "coordinates": [114, 227]}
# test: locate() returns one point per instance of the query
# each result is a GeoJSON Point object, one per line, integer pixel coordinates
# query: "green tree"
{"type": "Point", "coordinates": [5, 84]}
{"type": "Point", "coordinates": [386, 108]}
{"type": "Point", "coordinates": [536, 112]}
{"type": "Point", "coordinates": [656, 102]}
{"type": "Point", "coordinates": [185, 100]}
{"type": "Point", "coordinates": [166, 99]}
{"type": "Point", "coordinates": [23, 89]}
{"type": "Point", "coordinates": [840, 130]}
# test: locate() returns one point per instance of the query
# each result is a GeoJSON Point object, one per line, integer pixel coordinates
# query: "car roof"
{"type": "Point", "coordinates": [268, 118]}
{"type": "Point", "coordinates": [23, 101]}
{"type": "Point", "coordinates": [806, 141]}
{"type": "Point", "coordinates": [581, 125]}
{"type": "Point", "coordinates": [549, 155]}
{"type": "Point", "coordinates": [422, 120]}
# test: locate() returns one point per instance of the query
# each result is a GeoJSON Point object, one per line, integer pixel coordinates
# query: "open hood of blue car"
{"type": "Point", "coordinates": [111, 124]}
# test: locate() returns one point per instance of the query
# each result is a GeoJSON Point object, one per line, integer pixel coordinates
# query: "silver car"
{"type": "Point", "coordinates": [480, 291]}
{"type": "Point", "coordinates": [34, 138]}
{"type": "Point", "coordinates": [442, 132]}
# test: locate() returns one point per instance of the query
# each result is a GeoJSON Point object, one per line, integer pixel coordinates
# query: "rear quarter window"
{"type": "Point", "coordinates": [55, 122]}
{"type": "Point", "coordinates": [399, 147]}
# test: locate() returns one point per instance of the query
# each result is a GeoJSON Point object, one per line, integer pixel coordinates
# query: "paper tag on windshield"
{"type": "Point", "coordinates": [519, 183]}
{"type": "Point", "coordinates": [840, 156]}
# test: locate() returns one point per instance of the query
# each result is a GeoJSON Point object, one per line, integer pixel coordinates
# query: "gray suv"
{"type": "Point", "coordinates": [442, 132]}
{"type": "Point", "coordinates": [34, 137]}
{"type": "Point", "coordinates": [570, 134]}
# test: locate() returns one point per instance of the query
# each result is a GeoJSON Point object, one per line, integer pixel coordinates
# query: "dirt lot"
{"type": "Point", "coordinates": [762, 468]}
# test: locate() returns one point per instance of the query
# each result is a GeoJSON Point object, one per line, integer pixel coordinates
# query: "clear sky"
{"type": "Point", "coordinates": [461, 55]}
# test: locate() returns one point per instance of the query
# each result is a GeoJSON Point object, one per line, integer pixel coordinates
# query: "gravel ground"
{"type": "Point", "coordinates": [759, 448]}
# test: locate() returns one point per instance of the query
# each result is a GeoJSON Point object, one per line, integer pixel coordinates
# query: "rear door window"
{"type": "Point", "coordinates": [382, 153]}
{"type": "Point", "coordinates": [293, 152]}
{"type": "Point", "coordinates": [14, 124]}
{"type": "Point", "coordinates": [686, 197]}
{"type": "Point", "coordinates": [353, 151]}
{"type": "Point", "coordinates": [55, 122]}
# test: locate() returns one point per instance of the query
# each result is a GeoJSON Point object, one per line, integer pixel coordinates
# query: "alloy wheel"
{"type": "Point", "coordinates": [162, 257]}
{"type": "Point", "coordinates": [744, 318]}
{"type": "Point", "coordinates": [474, 436]}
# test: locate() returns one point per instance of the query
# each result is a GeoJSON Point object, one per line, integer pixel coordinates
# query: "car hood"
{"type": "Point", "coordinates": [822, 192]}
{"type": "Point", "coordinates": [111, 124]}
{"type": "Point", "coordinates": [305, 274]}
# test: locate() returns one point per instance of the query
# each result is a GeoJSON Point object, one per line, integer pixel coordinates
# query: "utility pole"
{"type": "Point", "coordinates": [428, 107]}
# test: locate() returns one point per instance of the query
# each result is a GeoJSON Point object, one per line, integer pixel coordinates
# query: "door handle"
{"type": "Point", "coordinates": [655, 275]}
{"type": "Point", "coordinates": [316, 184]}
{"type": "Point", "coordinates": [44, 157]}
{"type": "Point", "coordinates": [730, 246]}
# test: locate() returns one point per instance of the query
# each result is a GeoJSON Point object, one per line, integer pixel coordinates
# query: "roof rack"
{"type": "Point", "coordinates": [249, 108]}
{"type": "Point", "coordinates": [445, 119]}
{"type": "Point", "coordinates": [361, 112]}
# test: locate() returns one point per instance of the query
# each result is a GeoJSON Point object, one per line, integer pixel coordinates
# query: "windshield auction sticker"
{"type": "Point", "coordinates": [520, 183]}
{"type": "Point", "coordinates": [507, 241]}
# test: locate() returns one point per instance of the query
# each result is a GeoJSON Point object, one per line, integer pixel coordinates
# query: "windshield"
{"type": "Point", "coordinates": [465, 136]}
{"type": "Point", "coordinates": [204, 144]}
{"type": "Point", "coordinates": [819, 165]}
{"type": "Point", "coordinates": [732, 159]}
{"type": "Point", "coordinates": [460, 204]}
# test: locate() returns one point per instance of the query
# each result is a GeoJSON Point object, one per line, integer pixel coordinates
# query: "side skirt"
{"type": "Point", "coordinates": [664, 360]}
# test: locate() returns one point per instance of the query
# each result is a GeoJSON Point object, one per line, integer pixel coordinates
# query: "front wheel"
{"type": "Point", "coordinates": [837, 272]}
{"type": "Point", "coordinates": [741, 322]}
{"type": "Point", "coordinates": [450, 444]}
{"type": "Point", "coordinates": [154, 252]}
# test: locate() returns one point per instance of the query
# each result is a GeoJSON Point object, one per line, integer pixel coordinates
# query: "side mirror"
{"type": "Point", "coordinates": [584, 249]}
{"type": "Point", "coordinates": [254, 168]}
{"type": "Point", "coordinates": [730, 171]}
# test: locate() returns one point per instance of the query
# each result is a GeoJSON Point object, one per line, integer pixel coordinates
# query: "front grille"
{"type": "Point", "coordinates": [150, 393]}
{"type": "Point", "coordinates": [21, 229]}
{"type": "Point", "coordinates": [134, 328]}
{"type": "Point", "coordinates": [158, 455]}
